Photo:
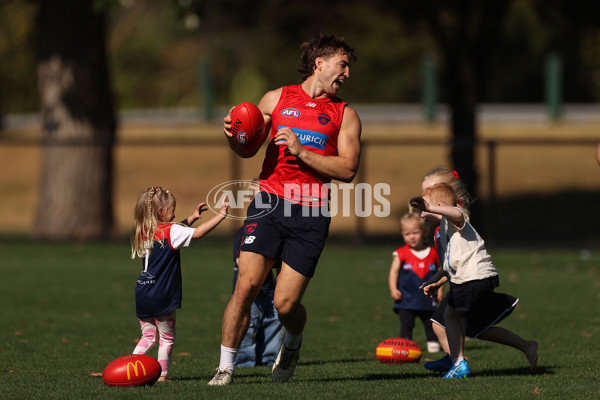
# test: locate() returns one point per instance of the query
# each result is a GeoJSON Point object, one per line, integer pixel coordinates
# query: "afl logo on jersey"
{"type": "Point", "coordinates": [324, 119]}
{"type": "Point", "coordinates": [290, 113]}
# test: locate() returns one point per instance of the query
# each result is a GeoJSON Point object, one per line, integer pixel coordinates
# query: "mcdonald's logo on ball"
{"type": "Point", "coordinates": [132, 370]}
{"type": "Point", "coordinates": [135, 366]}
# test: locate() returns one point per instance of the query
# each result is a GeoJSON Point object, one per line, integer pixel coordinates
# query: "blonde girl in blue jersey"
{"type": "Point", "coordinates": [157, 240]}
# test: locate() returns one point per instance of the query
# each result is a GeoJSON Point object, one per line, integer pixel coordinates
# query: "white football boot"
{"type": "Point", "coordinates": [221, 378]}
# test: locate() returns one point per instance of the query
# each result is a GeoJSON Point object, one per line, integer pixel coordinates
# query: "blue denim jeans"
{"type": "Point", "coordinates": [265, 334]}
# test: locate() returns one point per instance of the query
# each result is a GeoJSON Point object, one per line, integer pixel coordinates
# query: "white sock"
{"type": "Point", "coordinates": [292, 342]}
{"type": "Point", "coordinates": [227, 358]}
{"type": "Point", "coordinates": [458, 360]}
{"type": "Point", "coordinates": [433, 347]}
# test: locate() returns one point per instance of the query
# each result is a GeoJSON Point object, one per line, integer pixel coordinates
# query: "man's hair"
{"type": "Point", "coordinates": [322, 46]}
{"type": "Point", "coordinates": [441, 193]}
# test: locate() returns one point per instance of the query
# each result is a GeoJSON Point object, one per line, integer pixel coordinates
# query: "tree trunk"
{"type": "Point", "coordinates": [462, 101]}
{"type": "Point", "coordinates": [467, 33]}
{"type": "Point", "coordinates": [78, 123]}
{"type": "Point", "coordinates": [462, 90]}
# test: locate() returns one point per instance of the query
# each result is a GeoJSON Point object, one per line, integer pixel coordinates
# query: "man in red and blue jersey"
{"type": "Point", "coordinates": [315, 137]}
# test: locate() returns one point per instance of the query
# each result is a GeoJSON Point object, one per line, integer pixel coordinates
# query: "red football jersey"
{"type": "Point", "coordinates": [316, 123]}
{"type": "Point", "coordinates": [413, 272]}
{"type": "Point", "coordinates": [420, 266]}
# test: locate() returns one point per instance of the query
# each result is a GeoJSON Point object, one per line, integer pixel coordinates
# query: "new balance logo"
{"type": "Point", "coordinates": [312, 105]}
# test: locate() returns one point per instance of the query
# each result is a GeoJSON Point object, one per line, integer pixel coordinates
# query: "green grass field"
{"type": "Point", "coordinates": [68, 310]}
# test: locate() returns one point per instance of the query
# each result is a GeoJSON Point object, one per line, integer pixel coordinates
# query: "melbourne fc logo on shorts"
{"type": "Point", "coordinates": [324, 119]}
{"type": "Point", "coordinates": [250, 228]}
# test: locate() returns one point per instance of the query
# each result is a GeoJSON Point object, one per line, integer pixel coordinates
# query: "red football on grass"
{"type": "Point", "coordinates": [398, 351]}
{"type": "Point", "coordinates": [132, 370]}
{"type": "Point", "coordinates": [248, 129]}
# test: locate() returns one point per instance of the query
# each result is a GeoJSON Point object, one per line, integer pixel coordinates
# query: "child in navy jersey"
{"type": "Point", "coordinates": [413, 264]}
{"type": "Point", "coordinates": [157, 240]}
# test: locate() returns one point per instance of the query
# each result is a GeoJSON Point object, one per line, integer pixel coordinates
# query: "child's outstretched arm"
{"type": "Point", "coordinates": [432, 285]}
{"type": "Point", "coordinates": [209, 225]}
{"type": "Point", "coordinates": [196, 215]}
{"type": "Point", "coordinates": [440, 292]}
{"type": "Point", "coordinates": [432, 289]}
{"type": "Point", "coordinates": [393, 279]}
{"type": "Point", "coordinates": [453, 214]}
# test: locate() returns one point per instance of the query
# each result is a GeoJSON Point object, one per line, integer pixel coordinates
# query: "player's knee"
{"type": "Point", "coordinates": [246, 291]}
{"type": "Point", "coordinates": [285, 306]}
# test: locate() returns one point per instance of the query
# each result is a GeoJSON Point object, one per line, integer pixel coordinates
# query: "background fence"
{"type": "Point", "coordinates": [530, 191]}
{"type": "Point", "coordinates": [543, 191]}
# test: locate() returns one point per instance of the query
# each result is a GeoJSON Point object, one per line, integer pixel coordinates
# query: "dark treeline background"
{"type": "Point", "coordinates": [80, 62]}
{"type": "Point", "coordinates": [160, 52]}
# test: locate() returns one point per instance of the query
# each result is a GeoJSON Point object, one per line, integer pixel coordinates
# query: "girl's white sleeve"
{"type": "Point", "coordinates": [181, 236]}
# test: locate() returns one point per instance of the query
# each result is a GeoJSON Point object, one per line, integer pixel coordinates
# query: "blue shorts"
{"type": "Point", "coordinates": [279, 229]}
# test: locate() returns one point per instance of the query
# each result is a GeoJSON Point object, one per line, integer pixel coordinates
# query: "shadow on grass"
{"type": "Point", "coordinates": [543, 370]}
{"type": "Point", "coordinates": [192, 378]}
{"type": "Point", "coordinates": [546, 370]}
{"type": "Point", "coordinates": [241, 371]}
{"type": "Point", "coordinates": [344, 361]}
{"type": "Point", "coordinates": [261, 377]}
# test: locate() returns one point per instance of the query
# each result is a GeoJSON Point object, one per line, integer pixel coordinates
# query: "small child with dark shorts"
{"type": "Point", "coordinates": [473, 306]}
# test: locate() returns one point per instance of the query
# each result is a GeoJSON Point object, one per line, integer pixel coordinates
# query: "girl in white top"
{"type": "Point", "coordinates": [471, 273]}
{"type": "Point", "coordinates": [466, 258]}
